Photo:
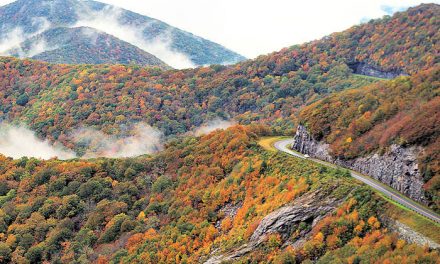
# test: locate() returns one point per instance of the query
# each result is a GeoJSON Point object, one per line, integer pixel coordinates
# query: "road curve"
{"type": "Point", "coordinates": [282, 145]}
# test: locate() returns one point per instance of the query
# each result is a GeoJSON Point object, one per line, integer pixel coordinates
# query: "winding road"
{"type": "Point", "coordinates": [282, 145]}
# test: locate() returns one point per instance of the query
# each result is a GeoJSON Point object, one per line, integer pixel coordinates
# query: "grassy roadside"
{"type": "Point", "coordinates": [415, 221]}
{"type": "Point", "coordinates": [267, 142]}
{"type": "Point", "coordinates": [393, 209]}
{"type": "Point", "coordinates": [325, 163]}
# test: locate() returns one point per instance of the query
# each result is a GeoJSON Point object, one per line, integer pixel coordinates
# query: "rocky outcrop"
{"type": "Point", "coordinates": [229, 210]}
{"type": "Point", "coordinates": [397, 168]}
{"type": "Point", "coordinates": [409, 235]}
{"type": "Point", "coordinates": [368, 70]}
{"type": "Point", "coordinates": [309, 209]}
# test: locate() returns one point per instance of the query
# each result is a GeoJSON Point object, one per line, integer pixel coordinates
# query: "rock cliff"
{"type": "Point", "coordinates": [397, 168]}
{"type": "Point", "coordinates": [368, 70]}
{"type": "Point", "coordinates": [309, 208]}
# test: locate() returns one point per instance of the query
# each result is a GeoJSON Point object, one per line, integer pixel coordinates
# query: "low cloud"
{"type": "Point", "coordinates": [36, 48]}
{"type": "Point", "coordinates": [11, 41]}
{"type": "Point", "coordinates": [108, 20]}
{"type": "Point", "coordinates": [213, 125]}
{"type": "Point", "coordinates": [143, 140]}
{"type": "Point", "coordinates": [18, 141]}
{"type": "Point", "coordinates": [91, 34]}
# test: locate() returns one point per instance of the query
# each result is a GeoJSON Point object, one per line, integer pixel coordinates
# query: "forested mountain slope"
{"type": "Point", "coordinates": [199, 198]}
{"type": "Point", "coordinates": [222, 197]}
{"type": "Point", "coordinates": [83, 45]}
{"type": "Point", "coordinates": [24, 19]}
{"type": "Point", "coordinates": [404, 43]}
{"type": "Point", "coordinates": [404, 111]}
{"type": "Point", "coordinates": [55, 98]}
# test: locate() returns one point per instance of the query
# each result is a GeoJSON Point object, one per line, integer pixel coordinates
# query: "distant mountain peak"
{"type": "Point", "coordinates": [83, 45]}
{"type": "Point", "coordinates": [24, 19]}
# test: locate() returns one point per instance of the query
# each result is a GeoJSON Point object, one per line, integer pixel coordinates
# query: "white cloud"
{"type": "Point", "coordinates": [16, 36]}
{"type": "Point", "coordinates": [90, 34]}
{"type": "Point", "coordinates": [143, 140]}
{"type": "Point", "coordinates": [37, 47]}
{"type": "Point", "coordinates": [212, 126]}
{"type": "Point", "coordinates": [18, 141]}
{"type": "Point", "coordinates": [107, 20]}
{"type": "Point", "coordinates": [13, 39]}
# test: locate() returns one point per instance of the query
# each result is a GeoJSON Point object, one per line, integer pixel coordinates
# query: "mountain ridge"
{"type": "Point", "coordinates": [39, 15]}
{"type": "Point", "coordinates": [226, 195]}
{"type": "Point", "coordinates": [271, 89]}
{"type": "Point", "coordinates": [84, 45]}
{"type": "Point", "coordinates": [281, 82]}
{"type": "Point", "coordinates": [379, 125]}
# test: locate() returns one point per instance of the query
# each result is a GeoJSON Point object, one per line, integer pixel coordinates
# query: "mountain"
{"type": "Point", "coordinates": [402, 44]}
{"type": "Point", "coordinates": [209, 199]}
{"type": "Point", "coordinates": [83, 45]}
{"type": "Point", "coordinates": [397, 120]}
{"type": "Point", "coordinates": [57, 100]}
{"type": "Point", "coordinates": [23, 19]}
{"type": "Point", "coordinates": [270, 89]}
{"type": "Point", "coordinates": [227, 196]}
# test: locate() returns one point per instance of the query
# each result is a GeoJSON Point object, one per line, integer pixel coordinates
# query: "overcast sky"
{"type": "Point", "coordinates": [254, 27]}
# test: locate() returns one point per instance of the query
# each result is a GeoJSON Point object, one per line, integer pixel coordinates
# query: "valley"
{"type": "Point", "coordinates": [124, 139]}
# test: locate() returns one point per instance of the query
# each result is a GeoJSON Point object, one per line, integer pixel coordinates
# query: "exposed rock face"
{"type": "Point", "coordinates": [310, 208]}
{"type": "Point", "coordinates": [397, 168]}
{"type": "Point", "coordinates": [409, 235]}
{"type": "Point", "coordinates": [365, 69]}
{"type": "Point", "coordinates": [229, 210]}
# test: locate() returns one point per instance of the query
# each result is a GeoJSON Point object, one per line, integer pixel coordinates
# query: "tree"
{"type": "Point", "coordinates": [5, 253]}
{"type": "Point", "coordinates": [162, 183]}
{"type": "Point", "coordinates": [35, 253]}
{"type": "Point", "coordinates": [22, 100]}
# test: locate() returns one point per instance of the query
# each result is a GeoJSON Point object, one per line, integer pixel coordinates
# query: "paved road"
{"type": "Point", "coordinates": [282, 145]}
